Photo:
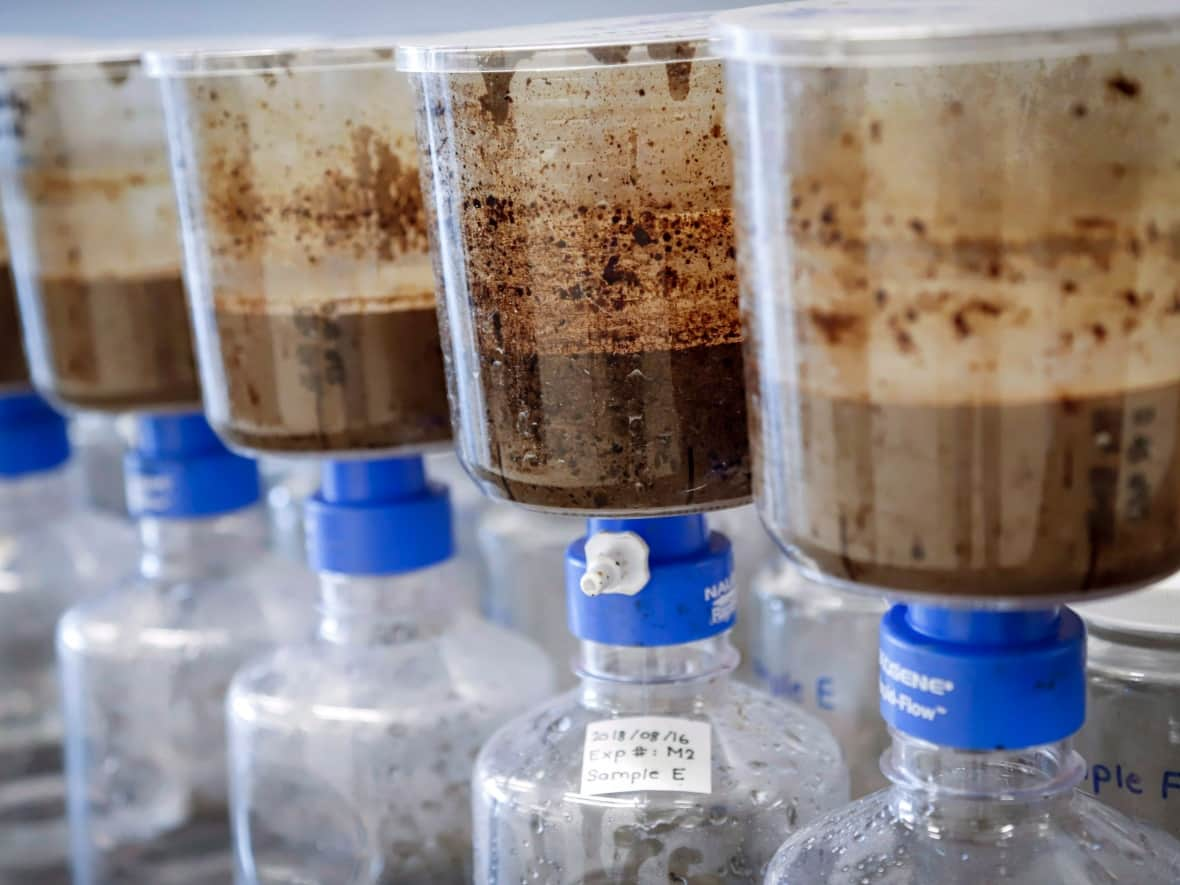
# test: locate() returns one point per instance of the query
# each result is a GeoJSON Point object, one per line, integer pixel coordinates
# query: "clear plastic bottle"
{"type": "Point", "coordinates": [753, 548]}
{"type": "Point", "coordinates": [524, 554]}
{"type": "Point", "coordinates": [817, 645]}
{"type": "Point", "coordinates": [146, 664]}
{"type": "Point", "coordinates": [1131, 740]}
{"type": "Point", "coordinates": [982, 707]}
{"type": "Point", "coordinates": [53, 553]}
{"type": "Point", "coordinates": [100, 442]}
{"type": "Point", "coordinates": [351, 755]}
{"type": "Point", "coordinates": [468, 505]}
{"type": "Point", "coordinates": [288, 482]}
{"type": "Point", "coordinates": [659, 767]}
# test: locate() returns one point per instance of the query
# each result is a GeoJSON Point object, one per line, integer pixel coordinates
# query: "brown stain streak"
{"type": "Point", "coordinates": [833, 325]}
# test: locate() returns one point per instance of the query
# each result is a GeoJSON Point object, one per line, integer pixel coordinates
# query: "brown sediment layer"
{"type": "Point", "coordinates": [119, 344]}
{"type": "Point", "coordinates": [593, 314]}
{"type": "Point", "coordinates": [611, 364]}
{"type": "Point", "coordinates": [319, 381]}
{"type": "Point", "coordinates": [13, 368]}
{"type": "Point", "coordinates": [1052, 498]}
{"type": "Point", "coordinates": [966, 326]}
{"type": "Point", "coordinates": [323, 334]}
{"type": "Point", "coordinates": [621, 431]}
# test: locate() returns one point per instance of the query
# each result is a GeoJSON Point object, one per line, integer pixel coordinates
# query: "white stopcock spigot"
{"type": "Point", "coordinates": [616, 562]}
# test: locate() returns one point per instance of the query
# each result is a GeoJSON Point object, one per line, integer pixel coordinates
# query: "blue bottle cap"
{"type": "Point", "coordinates": [378, 517]}
{"type": "Point", "coordinates": [973, 680]}
{"type": "Point", "coordinates": [180, 469]}
{"type": "Point", "coordinates": [33, 437]}
{"type": "Point", "coordinates": [650, 582]}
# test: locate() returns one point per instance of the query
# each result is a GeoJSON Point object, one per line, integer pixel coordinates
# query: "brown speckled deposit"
{"type": "Point", "coordinates": [597, 339]}
{"type": "Point", "coordinates": [967, 362]}
{"type": "Point", "coordinates": [101, 254]}
{"type": "Point", "coordinates": [319, 290]}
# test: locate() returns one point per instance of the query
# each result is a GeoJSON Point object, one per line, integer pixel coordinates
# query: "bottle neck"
{"type": "Point", "coordinates": [662, 679]}
{"type": "Point", "coordinates": [386, 609]}
{"type": "Point", "coordinates": [950, 792]}
{"type": "Point", "coordinates": [36, 499]}
{"type": "Point", "coordinates": [184, 549]}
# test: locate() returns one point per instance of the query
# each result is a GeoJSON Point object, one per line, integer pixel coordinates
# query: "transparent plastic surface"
{"type": "Point", "coordinates": [774, 769]}
{"type": "Point", "coordinates": [558, 46]}
{"type": "Point", "coordinates": [145, 671]}
{"type": "Point", "coordinates": [468, 505]}
{"type": "Point", "coordinates": [524, 554]}
{"type": "Point", "coordinates": [92, 228]}
{"type": "Point", "coordinates": [954, 818]}
{"type": "Point", "coordinates": [305, 239]}
{"type": "Point", "coordinates": [14, 371]}
{"type": "Point", "coordinates": [100, 444]}
{"type": "Point", "coordinates": [752, 549]}
{"type": "Point", "coordinates": [1131, 739]}
{"type": "Point", "coordinates": [53, 553]}
{"type": "Point", "coordinates": [963, 312]}
{"type": "Point", "coordinates": [352, 756]}
{"type": "Point", "coordinates": [583, 240]}
{"type": "Point", "coordinates": [890, 33]}
{"type": "Point", "coordinates": [288, 482]}
{"type": "Point", "coordinates": [817, 646]}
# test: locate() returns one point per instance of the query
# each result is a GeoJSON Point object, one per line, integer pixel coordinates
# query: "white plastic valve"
{"type": "Point", "coordinates": [616, 562]}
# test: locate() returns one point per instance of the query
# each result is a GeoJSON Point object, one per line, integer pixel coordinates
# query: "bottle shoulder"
{"type": "Point", "coordinates": [474, 667]}
{"type": "Point", "coordinates": [1077, 842]}
{"type": "Point", "coordinates": [759, 712]}
{"type": "Point", "coordinates": [1125, 659]}
{"type": "Point", "coordinates": [263, 603]}
{"type": "Point", "coordinates": [470, 627]}
{"type": "Point", "coordinates": [98, 530]}
{"type": "Point", "coordinates": [275, 578]}
{"type": "Point", "coordinates": [81, 553]}
{"type": "Point", "coordinates": [758, 747]}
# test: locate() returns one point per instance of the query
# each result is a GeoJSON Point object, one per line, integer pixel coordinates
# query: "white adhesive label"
{"type": "Point", "coordinates": [647, 753]}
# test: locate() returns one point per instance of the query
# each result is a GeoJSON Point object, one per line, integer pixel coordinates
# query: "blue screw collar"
{"type": "Point", "coordinates": [681, 591]}
{"type": "Point", "coordinates": [974, 680]}
{"type": "Point", "coordinates": [179, 469]}
{"type": "Point", "coordinates": [378, 517]}
{"type": "Point", "coordinates": [33, 437]}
